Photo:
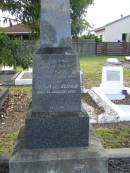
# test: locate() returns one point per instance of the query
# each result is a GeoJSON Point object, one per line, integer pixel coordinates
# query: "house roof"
{"type": "Point", "coordinates": [118, 20]}
{"type": "Point", "coordinates": [16, 29]}
{"type": "Point", "coordinates": [99, 29]}
{"type": "Point", "coordinates": [103, 27]}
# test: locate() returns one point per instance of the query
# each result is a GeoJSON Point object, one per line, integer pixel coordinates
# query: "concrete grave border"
{"type": "Point", "coordinates": [106, 102]}
{"type": "Point", "coordinates": [19, 81]}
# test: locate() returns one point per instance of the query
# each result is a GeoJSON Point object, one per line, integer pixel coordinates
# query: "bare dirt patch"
{"type": "Point", "coordinates": [125, 101]}
{"type": "Point", "coordinates": [126, 64]}
{"type": "Point", "coordinates": [13, 111]}
{"type": "Point", "coordinates": [88, 99]}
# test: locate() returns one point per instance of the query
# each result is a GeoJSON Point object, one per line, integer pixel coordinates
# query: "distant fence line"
{"type": "Point", "coordinates": [113, 48]}
{"type": "Point", "coordinates": [84, 47]}
{"type": "Point", "coordinates": [91, 48]}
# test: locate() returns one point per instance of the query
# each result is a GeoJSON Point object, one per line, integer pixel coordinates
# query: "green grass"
{"type": "Point", "coordinates": [7, 142]}
{"type": "Point", "coordinates": [92, 68]}
{"type": "Point", "coordinates": [22, 88]}
{"type": "Point", "coordinates": [114, 137]}
{"type": "Point", "coordinates": [19, 69]}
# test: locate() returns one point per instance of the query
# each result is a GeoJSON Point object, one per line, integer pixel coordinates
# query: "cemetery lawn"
{"type": "Point", "coordinates": [118, 137]}
{"type": "Point", "coordinates": [21, 88]}
{"type": "Point", "coordinates": [12, 117]}
{"type": "Point", "coordinates": [92, 68]}
{"type": "Point", "coordinates": [7, 142]}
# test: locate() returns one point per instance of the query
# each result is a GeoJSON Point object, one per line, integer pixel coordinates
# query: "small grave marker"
{"type": "Point", "coordinates": [112, 77]}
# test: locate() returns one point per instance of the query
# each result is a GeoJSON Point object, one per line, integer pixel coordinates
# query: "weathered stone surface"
{"type": "Point", "coordinates": [4, 164]}
{"type": "Point", "coordinates": [55, 23]}
{"type": "Point", "coordinates": [69, 160]}
{"type": "Point", "coordinates": [56, 82]}
{"type": "Point", "coordinates": [4, 92]}
{"type": "Point", "coordinates": [56, 130]}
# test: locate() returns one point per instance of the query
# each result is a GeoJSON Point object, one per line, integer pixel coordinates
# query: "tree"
{"type": "Point", "coordinates": [14, 52]}
{"type": "Point", "coordinates": [28, 11]}
{"type": "Point", "coordinates": [5, 50]}
{"type": "Point", "coordinates": [91, 37]}
{"type": "Point", "coordinates": [79, 24]}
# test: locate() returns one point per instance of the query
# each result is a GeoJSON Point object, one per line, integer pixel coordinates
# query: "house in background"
{"type": "Point", "coordinates": [116, 31]}
{"type": "Point", "coordinates": [19, 31]}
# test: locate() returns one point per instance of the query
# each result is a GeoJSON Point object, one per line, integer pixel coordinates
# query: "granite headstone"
{"type": "Point", "coordinates": [55, 122]}
{"type": "Point", "coordinates": [55, 115]}
{"type": "Point", "coordinates": [55, 23]}
{"type": "Point", "coordinates": [56, 77]}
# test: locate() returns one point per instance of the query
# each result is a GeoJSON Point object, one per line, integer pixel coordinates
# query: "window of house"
{"type": "Point", "coordinates": [124, 36]}
{"type": "Point", "coordinates": [101, 37]}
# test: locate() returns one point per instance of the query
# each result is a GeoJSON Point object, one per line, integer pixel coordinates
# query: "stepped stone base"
{"type": "Point", "coordinates": [68, 160]}
{"type": "Point", "coordinates": [59, 130]}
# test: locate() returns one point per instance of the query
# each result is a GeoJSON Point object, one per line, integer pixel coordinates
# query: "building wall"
{"type": "Point", "coordinates": [102, 32]}
{"type": "Point", "coordinates": [114, 32]}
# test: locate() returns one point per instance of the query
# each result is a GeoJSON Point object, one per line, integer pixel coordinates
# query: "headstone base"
{"type": "Point", "coordinates": [68, 160]}
{"type": "Point", "coordinates": [56, 130]}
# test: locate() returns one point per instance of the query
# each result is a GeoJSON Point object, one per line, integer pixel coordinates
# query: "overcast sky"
{"type": "Point", "coordinates": [1, 19]}
{"type": "Point", "coordinates": [105, 11]}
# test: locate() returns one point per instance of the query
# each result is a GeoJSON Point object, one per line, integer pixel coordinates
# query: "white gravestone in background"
{"type": "Point", "coordinates": [112, 79]}
{"type": "Point", "coordinates": [127, 58]}
{"type": "Point", "coordinates": [7, 68]}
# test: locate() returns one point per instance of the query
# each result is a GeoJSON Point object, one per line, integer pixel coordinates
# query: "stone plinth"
{"type": "Point", "coordinates": [69, 160]}
{"type": "Point", "coordinates": [56, 81]}
{"type": "Point", "coordinates": [56, 130]}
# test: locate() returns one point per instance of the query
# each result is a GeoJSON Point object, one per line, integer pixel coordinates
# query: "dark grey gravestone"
{"type": "Point", "coordinates": [56, 82]}
{"type": "Point", "coordinates": [55, 118]}
{"type": "Point", "coordinates": [55, 23]}
{"type": "Point", "coordinates": [56, 130]}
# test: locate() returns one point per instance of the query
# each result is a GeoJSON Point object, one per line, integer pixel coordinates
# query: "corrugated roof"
{"type": "Point", "coordinates": [19, 28]}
